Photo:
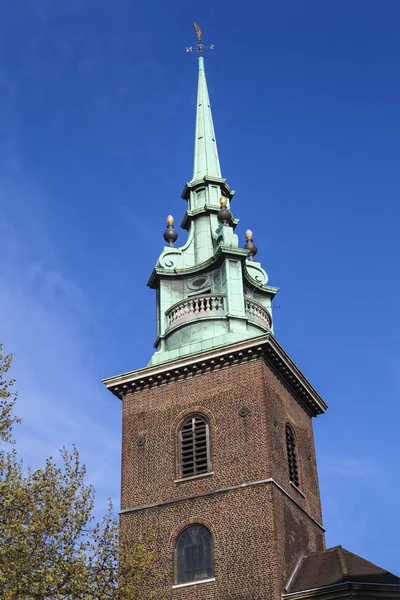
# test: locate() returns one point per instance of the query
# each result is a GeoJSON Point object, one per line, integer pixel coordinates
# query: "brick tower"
{"type": "Point", "coordinates": [218, 453]}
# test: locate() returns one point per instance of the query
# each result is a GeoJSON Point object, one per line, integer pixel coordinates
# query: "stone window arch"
{"type": "Point", "coordinates": [194, 554]}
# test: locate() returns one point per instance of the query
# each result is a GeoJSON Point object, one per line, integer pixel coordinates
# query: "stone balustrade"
{"type": "Point", "coordinates": [196, 307]}
{"type": "Point", "coordinates": [257, 312]}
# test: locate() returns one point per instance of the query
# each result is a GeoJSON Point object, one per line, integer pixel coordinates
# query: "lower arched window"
{"type": "Point", "coordinates": [194, 555]}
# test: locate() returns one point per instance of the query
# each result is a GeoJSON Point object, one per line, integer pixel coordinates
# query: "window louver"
{"type": "Point", "coordinates": [194, 447]}
{"type": "Point", "coordinates": [292, 458]}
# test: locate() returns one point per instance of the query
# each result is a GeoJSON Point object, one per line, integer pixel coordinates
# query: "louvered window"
{"type": "Point", "coordinates": [194, 447]}
{"type": "Point", "coordinates": [291, 455]}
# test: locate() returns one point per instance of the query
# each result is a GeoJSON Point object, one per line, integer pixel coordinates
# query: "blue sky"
{"type": "Point", "coordinates": [96, 143]}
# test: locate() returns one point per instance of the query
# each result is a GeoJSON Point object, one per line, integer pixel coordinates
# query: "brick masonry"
{"type": "Point", "coordinates": [259, 532]}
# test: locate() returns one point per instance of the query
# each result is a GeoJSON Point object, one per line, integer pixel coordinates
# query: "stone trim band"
{"type": "Point", "coordinates": [224, 490]}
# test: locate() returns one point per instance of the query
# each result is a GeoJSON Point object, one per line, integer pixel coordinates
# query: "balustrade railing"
{"type": "Point", "coordinates": [207, 305]}
{"type": "Point", "coordinates": [258, 312]}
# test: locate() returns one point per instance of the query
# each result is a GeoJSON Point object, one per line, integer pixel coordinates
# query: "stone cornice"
{"type": "Point", "coordinates": [264, 346]}
{"type": "Point", "coordinates": [207, 209]}
{"type": "Point", "coordinates": [216, 492]}
{"type": "Point", "coordinates": [348, 589]}
{"type": "Point", "coordinates": [198, 183]}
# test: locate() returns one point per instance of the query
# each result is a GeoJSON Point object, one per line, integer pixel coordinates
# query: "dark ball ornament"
{"type": "Point", "coordinates": [224, 215]}
{"type": "Point", "coordinates": [170, 235]}
{"type": "Point", "coordinates": [252, 248]}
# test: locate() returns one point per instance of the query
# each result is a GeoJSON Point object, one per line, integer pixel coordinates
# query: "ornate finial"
{"type": "Point", "coordinates": [200, 47]}
{"type": "Point", "coordinates": [224, 215]}
{"type": "Point", "coordinates": [252, 248]}
{"type": "Point", "coordinates": [170, 234]}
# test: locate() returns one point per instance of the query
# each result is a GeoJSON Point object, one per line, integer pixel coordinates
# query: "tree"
{"type": "Point", "coordinates": [7, 399]}
{"type": "Point", "coordinates": [51, 548]}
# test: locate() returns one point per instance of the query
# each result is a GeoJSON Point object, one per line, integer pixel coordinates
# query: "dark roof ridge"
{"type": "Point", "coordinates": [347, 552]}
{"type": "Point", "coordinates": [336, 566]}
{"type": "Point", "coordinates": [340, 554]}
{"type": "Point", "coordinates": [333, 549]}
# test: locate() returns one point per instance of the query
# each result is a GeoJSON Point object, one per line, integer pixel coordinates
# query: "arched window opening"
{"type": "Point", "coordinates": [292, 458]}
{"type": "Point", "coordinates": [194, 447]}
{"type": "Point", "coordinates": [194, 555]}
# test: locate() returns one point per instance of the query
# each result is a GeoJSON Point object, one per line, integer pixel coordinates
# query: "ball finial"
{"type": "Point", "coordinates": [250, 246]}
{"type": "Point", "coordinates": [170, 235]}
{"type": "Point", "coordinates": [224, 215]}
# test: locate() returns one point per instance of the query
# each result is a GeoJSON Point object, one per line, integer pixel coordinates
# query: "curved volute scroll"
{"type": "Point", "coordinates": [171, 256]}
{"type": "Point", "coordinates": [175, 258]}
{"type": "Point", "coordinates": [256, 272]}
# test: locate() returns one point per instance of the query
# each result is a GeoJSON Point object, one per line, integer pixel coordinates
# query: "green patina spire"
{"type": "Point", "coordinates": [206, 161]}
{"type": "Point", "coordinates": [210, 292]}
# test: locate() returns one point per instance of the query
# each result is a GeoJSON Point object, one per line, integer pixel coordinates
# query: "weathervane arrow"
{"type": "Point", "coordinates": [200, 47]}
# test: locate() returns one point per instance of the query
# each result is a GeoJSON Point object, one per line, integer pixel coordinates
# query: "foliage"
{"type": "Point", "coordinates": [50, 546]}
{"type": "Point", "coordinates": [7, 399]}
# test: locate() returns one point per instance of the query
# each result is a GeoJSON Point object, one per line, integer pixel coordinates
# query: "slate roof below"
{"type": "Point", "coordinates": [337, 565]}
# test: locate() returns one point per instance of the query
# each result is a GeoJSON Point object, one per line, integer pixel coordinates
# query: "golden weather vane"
{"type": "Point", "coordinates": [198, 31]}
{"type": "Point", "coordinates": [200, 47]}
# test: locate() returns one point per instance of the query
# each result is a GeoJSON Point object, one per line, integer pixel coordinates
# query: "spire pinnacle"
{"type": "Point", "coordinates": [206, 161]}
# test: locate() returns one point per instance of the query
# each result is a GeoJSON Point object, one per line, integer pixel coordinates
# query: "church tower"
{"type": "Point", "coordinates": [218, 453]}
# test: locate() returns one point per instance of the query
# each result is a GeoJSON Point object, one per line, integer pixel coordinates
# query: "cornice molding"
{"type": "Point", "coordinates": [217, 492]}
{"type": "Point", "coordinates": [207, 180]}
{"type": "Point", "coordinates": [347, 589]}
{"type": "Point", "coordinates": [204, 267]}
{"type": "Point", "coordinates": [264, 346]}
{"type": "Point", "coordinates": [207, 209]}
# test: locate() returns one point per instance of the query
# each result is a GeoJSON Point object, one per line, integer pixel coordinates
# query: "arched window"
{"type": "Point", "coordinates": [291, 455]}
{"type": "Point", "coordinates": [194, 451]}
{"type": "Point", "coordinates": [194, 555]}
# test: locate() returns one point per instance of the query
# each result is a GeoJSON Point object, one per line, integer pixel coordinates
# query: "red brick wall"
{"type": "Point", "coordinates": [243, 542]}
{"type": "Point", "coordinates": [282, 408]}
{"type": "Point", "coordinates": [258, 532]}
{"type": "Point", "coordinates": [296, 535]}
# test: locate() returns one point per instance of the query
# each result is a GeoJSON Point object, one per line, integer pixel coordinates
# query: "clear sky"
{"type": "Point", "coordinates": [96, 142]}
